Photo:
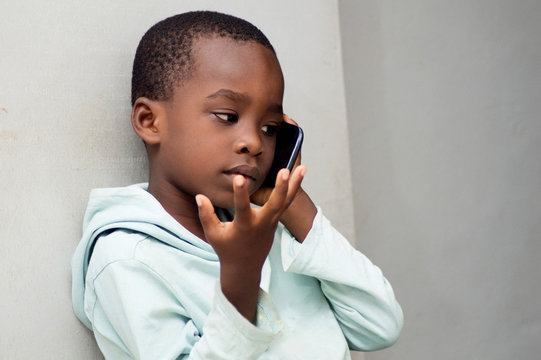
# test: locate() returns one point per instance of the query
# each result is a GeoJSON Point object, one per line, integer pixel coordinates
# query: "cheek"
{"type": "Point", "coordinates": [269, 150]}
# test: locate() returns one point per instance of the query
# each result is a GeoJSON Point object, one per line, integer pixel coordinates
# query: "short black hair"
{"type": "Point", "coordinates": [163, 59]}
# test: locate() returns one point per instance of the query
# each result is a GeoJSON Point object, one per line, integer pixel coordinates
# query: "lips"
{"type": "Point", "coordinates": [247, 171]}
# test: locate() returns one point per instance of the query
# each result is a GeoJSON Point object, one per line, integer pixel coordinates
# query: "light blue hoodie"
{"type": "Point", "coordinates": [151, 290]}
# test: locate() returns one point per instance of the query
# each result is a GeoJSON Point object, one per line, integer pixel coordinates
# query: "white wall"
{"type": "Point", "coordinates": [65, 69]}
{"type": "Point", "coordinates": [444, 104]}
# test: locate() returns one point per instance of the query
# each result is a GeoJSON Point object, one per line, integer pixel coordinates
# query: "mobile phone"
{"type": "Point", "coordinates": [288, 144]}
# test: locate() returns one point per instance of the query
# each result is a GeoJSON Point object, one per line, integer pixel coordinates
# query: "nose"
{"type": "Point", "coordinates": [249, 141]}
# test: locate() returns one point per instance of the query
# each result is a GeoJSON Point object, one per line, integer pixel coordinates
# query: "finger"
{"type": "Point", "coordinates": [275, 204]}
{"type": "Point", "coordinates": [241, 198]}
{"type": "Point", "coordinates": [289, 120]}
{"type": "Point", "coordinates": [295, 183]}
{"type": "Point", "coordinates": [207, 216]}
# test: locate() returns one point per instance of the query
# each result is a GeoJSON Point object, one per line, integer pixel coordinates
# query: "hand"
{"type": "Point", "coordinates": [301, 211]}
{"type": "Point", "coordinates": [261, 196]}
{"type": "Point", "coordinates": [247, 239]}
{"type": "Point", "coordinates": [243, 244]}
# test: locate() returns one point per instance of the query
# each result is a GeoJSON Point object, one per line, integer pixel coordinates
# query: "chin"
{"type": "Point", "coordinates": [224, 202]}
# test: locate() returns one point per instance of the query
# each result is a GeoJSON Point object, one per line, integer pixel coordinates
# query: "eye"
{"type": "Point", "coordinates": [269, 129]}
{"type": "Point", "coordinates": [227, 117]}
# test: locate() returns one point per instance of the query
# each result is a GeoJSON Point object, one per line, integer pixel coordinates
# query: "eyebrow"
{"type": "Point", "coordinates": [236, 96]}
{"type": "Point", "coordinates": [230, 94]}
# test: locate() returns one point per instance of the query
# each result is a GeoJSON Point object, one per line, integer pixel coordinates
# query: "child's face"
{"type": "Point", "coordinates": [222, 121]}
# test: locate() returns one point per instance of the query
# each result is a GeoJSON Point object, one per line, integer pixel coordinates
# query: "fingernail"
{"type": "Point", "coordinates": [198, 200]}
{"type": "Point", "coordinates": [285, 175]}
{"type": "Point", "coordinates": [303, 171]}
{"type": "Point", "coordinates": [239, 180]}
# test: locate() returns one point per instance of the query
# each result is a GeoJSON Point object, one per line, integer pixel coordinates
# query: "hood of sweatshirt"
{"type": "Point", "coordinates": [132, 208]}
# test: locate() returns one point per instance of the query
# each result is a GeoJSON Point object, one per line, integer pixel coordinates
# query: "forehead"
{"type": "Point", "coordinates": [234, 63]}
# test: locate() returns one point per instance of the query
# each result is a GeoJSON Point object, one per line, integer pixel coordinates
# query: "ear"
{"type": "Point", "coordinates": [146, 119]}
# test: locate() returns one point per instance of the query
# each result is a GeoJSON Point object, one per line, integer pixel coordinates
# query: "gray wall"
{"type": "Point", "coordinates": [444, 108]}
{"type": "Point", "coordinates": [65, 69]}
{"type": "Point", "coordinates": [443, 102]}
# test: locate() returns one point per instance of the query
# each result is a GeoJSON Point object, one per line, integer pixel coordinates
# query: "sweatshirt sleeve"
{"type": "Point", "coordinates": [361, 298]}
{"type": "Point", "coordinates": [136, 315]}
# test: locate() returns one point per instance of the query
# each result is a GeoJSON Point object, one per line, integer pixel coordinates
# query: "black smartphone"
{"type": "Point", "coordinates": [288, 144]}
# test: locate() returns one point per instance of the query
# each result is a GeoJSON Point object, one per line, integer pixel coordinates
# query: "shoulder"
{"type": "Point", "coordinates": [117, 245]}
{"type": "Point", "coordinates": [132, 249]}
{"type": "Point", "coordinates": [113, 247]}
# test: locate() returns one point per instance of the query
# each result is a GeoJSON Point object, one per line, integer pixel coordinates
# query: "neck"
{"type": "Point", "coordinates": [181, 206]}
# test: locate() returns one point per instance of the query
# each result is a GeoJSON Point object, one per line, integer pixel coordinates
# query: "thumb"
{"type": "Point", "coordinates": [207, 215]}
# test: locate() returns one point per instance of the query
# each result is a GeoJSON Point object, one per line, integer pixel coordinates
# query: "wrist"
{"type": "Point", "coordinates": [240, 285]}
{"type": "Point", "coordinates": [299, 216]}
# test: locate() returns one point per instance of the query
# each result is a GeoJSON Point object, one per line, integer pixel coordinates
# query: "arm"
{"type": "Point", "coordinates": [361, 298]}
{"type": "Point", "coordinates": [137, 314]}
{"type": "Point", "coordinates": [243, 244]}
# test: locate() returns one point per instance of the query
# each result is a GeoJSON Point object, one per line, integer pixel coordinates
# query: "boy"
{"type": "Point", "coordinates": [165, 271]}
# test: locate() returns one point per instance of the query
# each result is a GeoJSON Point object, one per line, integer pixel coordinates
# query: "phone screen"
{"type": "Point", "coordinates": [288, 144]}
